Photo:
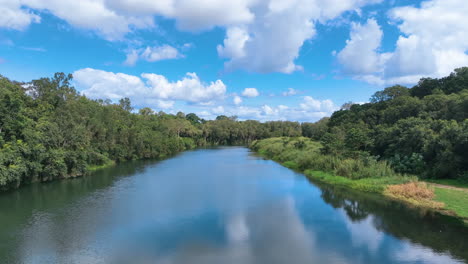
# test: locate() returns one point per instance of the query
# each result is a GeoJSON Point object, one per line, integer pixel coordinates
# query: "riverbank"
{"type": "Point", "coordinates": [303, 155]}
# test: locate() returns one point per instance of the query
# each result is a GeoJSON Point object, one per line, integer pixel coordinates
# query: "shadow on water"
{"type": "Point", "coordinates": [431, 229]}
{"type": "Point", "coordinates": [28, 200]}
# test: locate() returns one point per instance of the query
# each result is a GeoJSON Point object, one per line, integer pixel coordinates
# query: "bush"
{"type": "Point", "coordinates": [414, 192]}
{"type": "Point", "coordinates": [291, 164]}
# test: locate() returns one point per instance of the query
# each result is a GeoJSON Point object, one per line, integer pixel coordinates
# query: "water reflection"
{"type": "Point", "coordinates": [436, 235]}
{"type": "Point", "coordinates": [218, 206]}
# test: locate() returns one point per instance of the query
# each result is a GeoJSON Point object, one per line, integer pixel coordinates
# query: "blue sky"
{"type": "Point", "coordinates": [256, 59]}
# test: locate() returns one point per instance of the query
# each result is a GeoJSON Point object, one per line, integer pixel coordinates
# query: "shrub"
{"type": "Point", "coordinates": [415, 193]}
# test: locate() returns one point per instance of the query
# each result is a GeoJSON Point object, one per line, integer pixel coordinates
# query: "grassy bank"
{"type": "Point", "coordinates": [107, 164]}
{"type": "Point", "coordinates": [450, 182]}
{"type": "Point", "coordinates": [360, 173]}
{"type": "Point", "coordinates": [454, 200]}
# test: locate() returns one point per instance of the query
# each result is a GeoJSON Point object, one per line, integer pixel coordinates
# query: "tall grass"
{"type": "Point", "coordinates": [417, 193]}
{"type": "Point", "coordinates": [304, 154]}
{"type": "Point", "coordinates": [362, 173]}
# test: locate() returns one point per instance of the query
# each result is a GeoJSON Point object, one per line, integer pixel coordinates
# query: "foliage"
{"type": "Point", "coordinates": [421, 130]}
{"type": "Point", "coordinates": [304, 154]}
{"type": "Point", "coordinates": [315, 130]}
{"type": "Point", "coordinates": [49, 131]}
{"type": "Point", "coordinates": [375, 185]}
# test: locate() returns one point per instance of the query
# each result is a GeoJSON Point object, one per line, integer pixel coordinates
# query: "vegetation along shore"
{"type": "Point", "coordinates": [409, 144]}
{"type": "Point", "coordinates": [406, 143]}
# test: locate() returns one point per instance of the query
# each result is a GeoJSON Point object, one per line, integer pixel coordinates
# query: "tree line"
{"type": "Point", "coordinates": [49, 131]}
{"type": "Point", "coordinates": [422, 130]}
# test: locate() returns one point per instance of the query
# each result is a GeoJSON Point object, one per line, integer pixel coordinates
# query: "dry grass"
{"type": "Point", "coordinates": [416, 193]}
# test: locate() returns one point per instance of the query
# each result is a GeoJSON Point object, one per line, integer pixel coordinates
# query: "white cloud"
{"type": "Point", "coordinates": [113, 19]}
{"type": "Point", "coordinates": [305, 111]}
{"type": "Point", "coordinates": [360, 56]}
{"type": "Point", "coordinates": [311, 104]}
{"type": "Point", "coordinates": [152, 54]}
{"type": "Point", "coordinates": [149, 89]}
{"type": "Point", "coordinates": [268, 43]}
{"type": "Point", "coordinates": [290, 92]}
{"type": "Point", "coordinates": [163, 52]}
{"type": "Point", "coordinates": [234, 43]}
{"type": "Point", "coordinates": [93, 15]}
{"type": "Point", "coordinates": [261, 35]}
{"type": "Point", "coordinates": [191, 15]}
{"type": "Point", "coordinates": [219, 110]}
{"type": "Point", "coordinates": [14, 16]}
{"type": "Point", "coordinates": [190, 88]}
{"type": "Point", "coordinates": [432, 43]}
{"type": "Point", "coordinates": [237, 100]}
{"type": "Point", "coordinates": [250, 92]}
{"type": "Point", "coordinates": [132, 58]}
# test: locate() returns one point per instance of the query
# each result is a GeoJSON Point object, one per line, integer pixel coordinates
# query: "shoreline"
{"type": "Point", "coordinates": [369, 185]}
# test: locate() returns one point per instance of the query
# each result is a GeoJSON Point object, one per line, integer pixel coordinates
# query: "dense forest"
{"type": "Point", "coordinates": [421, 130]}
{"type": "Point", "coordinates": [49, 131]}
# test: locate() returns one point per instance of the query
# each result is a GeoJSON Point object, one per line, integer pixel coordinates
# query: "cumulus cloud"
{"type": "Point", "coordinates": [132, 58]}
{"type": "Point", "coordinates": [308, 110]}
{"type": "Point", "coordinates": [191, 15]}
{"type": "Point", "coordinates": [237, 100]}
{"type": "Point", "coordinates": [93, 15]}
{"type": "Point", "coordinates": [234, 43]}
{"type": "Point", "coordinates": [268, 44]}
{"type": "Point", "coordinates": [311, 104]}
{"type": "Point", "coordinates": [250, 92]}
{"type": "Point", "coordinates": [190, 88]}
{"type": "Point", "coordinates": [434, 39]}
{"type": "Point", "coordinates": [147, 89]}
{"type": "Point", "coordinates": [360, 56]}
{"type": "Point", "coordinates": [152, 54]}
{"type": "Point", "coordinates": [257, 37]}
{"type": "Point", "coordinates": [113, 19]}
{"type": "Point", "coordinates": [219, 110]}
{"type": "Point", "coordinates": [160, 53]}
{"type": "Point", "coordinates": [290, 92]}
{"type": "Point", "coordinates": [432, 43]}
{"type": "Point", "coordinates": [14, 16]}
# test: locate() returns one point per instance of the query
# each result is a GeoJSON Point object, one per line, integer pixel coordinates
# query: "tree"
{"type": "Point", "coordinates": [125, 104]}
{"type": "Point", "coordinates": [390, 93]}
{"type": "Point", "coordinates": [146, 111]}
{"type": "Point", "coordinates": [193, 118]}
{"type": "Point", "coordinates": [315, 130]}
{"type": "Point", "coordinates": [347, 105]}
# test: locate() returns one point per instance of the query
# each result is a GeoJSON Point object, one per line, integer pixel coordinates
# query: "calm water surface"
{"type": "Point", "coordinates": [220, 205]}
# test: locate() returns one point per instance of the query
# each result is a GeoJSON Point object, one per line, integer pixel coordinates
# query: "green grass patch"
{"type": "Point", "coordinates": [376, 185]}
{"type": "Point", "coordinates": [364, 174]}
{"type": "Point", "coordinates": [450, 182]}
{"type": "Point", "coordinates": [107, 164]}
{"type": "Point", "coordinates": [454, 200]}
{"type": "Point", "coordinates": [291, 164]}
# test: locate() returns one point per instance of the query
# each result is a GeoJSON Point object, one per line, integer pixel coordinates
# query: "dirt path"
{"type": "Point", "coordinates": [448, 187]}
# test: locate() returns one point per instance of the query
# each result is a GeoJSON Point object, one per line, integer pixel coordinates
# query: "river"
{"type": "Point", "coordinates": [222, 205]}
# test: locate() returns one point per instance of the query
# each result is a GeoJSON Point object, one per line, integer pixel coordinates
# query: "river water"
{"type": "Point", "coordinates": [222, 205]}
